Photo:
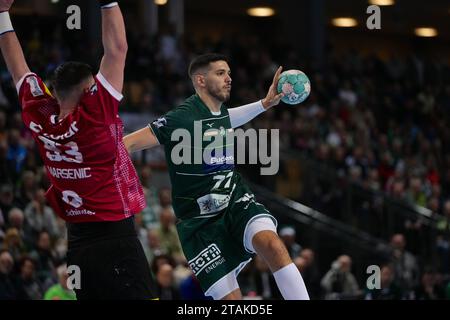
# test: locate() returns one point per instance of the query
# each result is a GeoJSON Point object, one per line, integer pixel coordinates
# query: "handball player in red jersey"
{"type": "Point", "coordinates": [94, 186]}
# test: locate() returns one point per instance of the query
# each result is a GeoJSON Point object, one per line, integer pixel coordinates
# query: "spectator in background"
{"type": "Point", "coordinates": [41, 217]}
{"type": "Point", "coordinates": [28, 286]}
{"type": "Point", "coordinates": [264, 281]}
{"type": "Point", "coordinates": [16, 220]}
{"type": "Point", "coordinates": [150, 217]}
{"type": "Point", "coordinates": [14, 243]}
{"type": "Point", "coordinates": [27, 188]}
{"type": "Point", "coordinates": [165, 288]}
{"type": "Point", "coordinates": [153, 247]}
{"type": "Point", "coordinates": [168, 236]}
{"type": "Point", "coordinates": [388, 289]}
{"type": "Point", "coordinates": [339, 283]}
{"type": "Point", "coordinates": [16, 152]}
{"type": "Point", "coordinates": [288, 236]}
{"type": "Point", "coordinates": [6, 200]}
{"type": "Point", "coordinates": [44, 260]}
{"type": "Point", "coordinates": [443, 239]}
{"type": "Point", "coordinates": [60, 291]}
{"type": "Point", "coordinates": [429, 288]}
{"type": "Point", "coordinates": [310, 272]}
{"type": "Point", "coordinates": [164, 201]}
{"type": "Point", "coordinates": [7, 284]}
{"type": "Point", "coordinates": [406, 269]}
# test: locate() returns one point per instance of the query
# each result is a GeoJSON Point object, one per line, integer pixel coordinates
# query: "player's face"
{"type": "Point", "coordinates": [218, 80]}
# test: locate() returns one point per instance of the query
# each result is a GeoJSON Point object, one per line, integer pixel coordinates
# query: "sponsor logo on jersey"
{"type": "Point", "coordinates": [213, 202]}
{"type": "Point", "coordinates": [93, 89]}
{"type": "Point", "coordinates": [207, 260]}
{"type": "Point", "coordinates": [160, 122]}
{"type": "Point", "coordinates": [76, 212]}
{"type": "Point", "coordinates": [71, 132]}
{"type": "Point", "coordinates": [222, 160]}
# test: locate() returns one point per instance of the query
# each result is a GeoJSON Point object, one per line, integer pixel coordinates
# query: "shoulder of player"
{"type": "Point", "coordinates": [183, 112]}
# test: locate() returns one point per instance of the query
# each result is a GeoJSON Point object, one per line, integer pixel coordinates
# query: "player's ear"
{"type": "Point", "coordinates": [199, 80]}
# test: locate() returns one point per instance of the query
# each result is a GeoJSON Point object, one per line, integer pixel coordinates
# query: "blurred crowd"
{"type": "Point", "coordinates": [380, 123]}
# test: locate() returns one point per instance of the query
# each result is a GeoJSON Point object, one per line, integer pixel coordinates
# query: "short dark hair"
{"type": "Point", "coordinates": [68, 75]}
{"type": "Point", "coordinates": [204, 60]}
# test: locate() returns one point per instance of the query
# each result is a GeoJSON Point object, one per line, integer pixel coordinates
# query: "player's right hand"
{"type": "Point", "coordinates": [5, 5]}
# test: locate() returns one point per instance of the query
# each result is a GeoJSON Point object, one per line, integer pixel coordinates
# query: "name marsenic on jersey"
{"type": "Point", "coordinates": [81, 173]}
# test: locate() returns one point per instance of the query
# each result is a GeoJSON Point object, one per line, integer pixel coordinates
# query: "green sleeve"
{"type": "Point", "coordinates": [164, 126]}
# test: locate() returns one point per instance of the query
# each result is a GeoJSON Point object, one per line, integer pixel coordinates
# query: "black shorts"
{"type": "Point", "coordinates": [111, 261]}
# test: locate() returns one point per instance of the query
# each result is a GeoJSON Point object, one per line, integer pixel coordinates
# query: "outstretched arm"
{"type": "Point", "coordinates": [10, 46]}
{"type": "Point", "coordinates": [114, 44]}
{"type": "Point", "coordinates": [242, 115]}
{"type": "Point", "coordinates": [140, 140]}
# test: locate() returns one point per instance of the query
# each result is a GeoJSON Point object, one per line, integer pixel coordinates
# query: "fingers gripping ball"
{"type": "Point", "coordinates": [295, 85]}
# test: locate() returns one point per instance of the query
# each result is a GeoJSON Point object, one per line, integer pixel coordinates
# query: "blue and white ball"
{"type": "Point", "coordinates": [295, 85]}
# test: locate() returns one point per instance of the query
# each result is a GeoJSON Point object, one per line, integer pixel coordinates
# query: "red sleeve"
{"type": "Point", "coordinates": [31, 90]}
{"type": "Point", "coordinates": [103, 99]}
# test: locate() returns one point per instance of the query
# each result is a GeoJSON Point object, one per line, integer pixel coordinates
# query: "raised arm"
{"type": "Point", "coordinates": [114, 44]}
{"type": "Point", "coordinates": [140, 140]}
{"type": "Point", "coordinates": [243, 114]}
{"type": "Point", "coordinates": [9, 44]}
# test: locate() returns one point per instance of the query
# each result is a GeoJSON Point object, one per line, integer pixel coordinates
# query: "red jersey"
{"type": "Point", "coordinates": [92, 176]}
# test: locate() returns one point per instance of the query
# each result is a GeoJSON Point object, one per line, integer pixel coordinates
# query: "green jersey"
{"type": "Point", "coordinates": [199, 149]}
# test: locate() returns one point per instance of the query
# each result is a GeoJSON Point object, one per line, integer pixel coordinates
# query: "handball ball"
{"type": "Point", "coordinates": [295, 85]}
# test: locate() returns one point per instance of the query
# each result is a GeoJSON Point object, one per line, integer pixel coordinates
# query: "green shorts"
{"type": "Point", "coordinates": [214, 246]}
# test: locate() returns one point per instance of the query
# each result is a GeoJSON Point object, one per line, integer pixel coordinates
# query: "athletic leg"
{"type": "Point", "coordinates": [266, 243]}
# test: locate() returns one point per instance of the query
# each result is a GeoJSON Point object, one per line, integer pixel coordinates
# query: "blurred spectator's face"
{"type": "Point", "coordinates": [6, 196]}
{"type": "Point", "coordinates": [17, 121]}
{"type": "Point", "coordinates": [6, 262]}
{"type": "Point", "coordinates": [308, 255]}
{"type": "Point", "coordinates": [386, 277]}
{"type": "Point", "coordinates": [398, 242]}
{"type": "Point", "coordinates": [398, 189]}
{"type": "Point", "coordinates": [146, 174]}
{"type": "Point", "coordinates": [27, 270]}
{"type": "Point", "coordinates": [447, 208]}
{"type": "Point", "coordinates": [415, 184]}
{"type": "Point", "coordinates": [3, 149]}
{"type": "Point", "coordinates": [345, 263]}
{"type": "Point", "coordinates": [433, 204]}
{"type": "Point", "coordinates": [14, 137]}
{"type": "Point", "coordinates": [165, 275]}
{"type": "Point", "coordinates": [44, 241]}
{"type": "Point", "coordinates": [436, 190]}
{"type": "Point", "coordinates": [428, 279]}
{"type": "Point", "coordinates": [355, 173]}
{"type": "Point", "coordinates": [153, 239]}
{"type": "Point", "coordinates": [2, 119]}
{"type": "Point", "coordinates": [13, 237]}
{"type": "Point", "coordinates": [40, 196]}
{"type": "Point", "coordinates": [165, 197]}
{"type": "Point", "coordinates": [28, 179]}
{"type": "Point", "coordinates": [300, 263]}
{"type": "Point", "coordinates": [288, 239]}
{"type": "Point", "coordinates": [166, 218]}
{"type": "Point", "coordinates": [16, 218]}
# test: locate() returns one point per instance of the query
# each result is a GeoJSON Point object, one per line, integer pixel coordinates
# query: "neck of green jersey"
{"type": "Point", "coordinates": [215, 111]}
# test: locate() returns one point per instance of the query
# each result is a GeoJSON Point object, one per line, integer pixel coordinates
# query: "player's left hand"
{"type": "Point", "coordinates": [5, 5]}
{"type": "Point", "coordinates": [273, 97]}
